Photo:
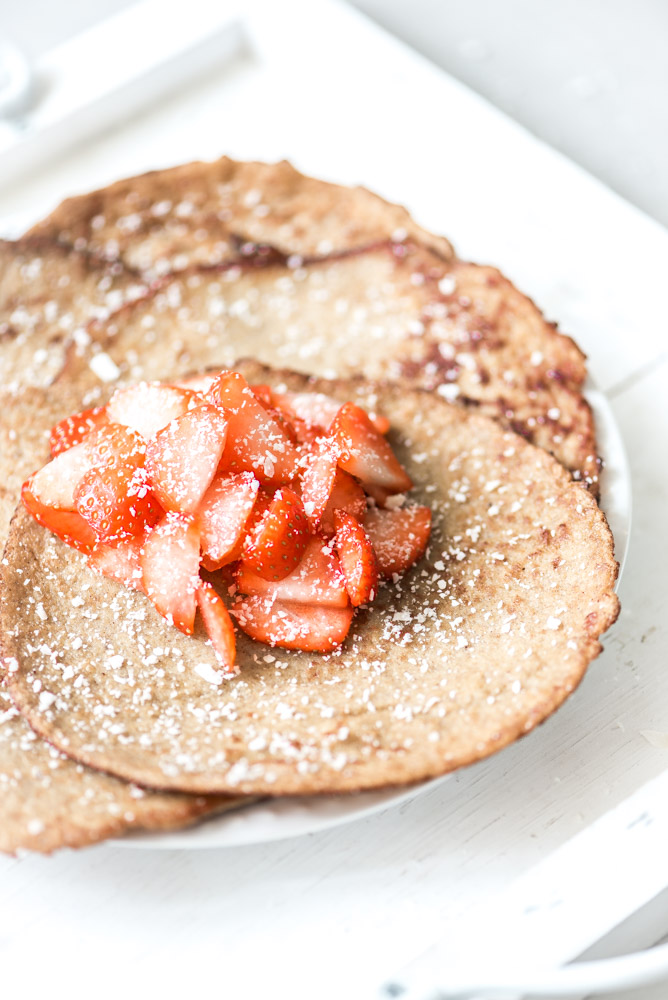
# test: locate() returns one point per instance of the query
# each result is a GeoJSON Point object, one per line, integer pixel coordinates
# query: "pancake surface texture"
{"type": "Point", "coordinates": [48, 801]}
{"type": "Point", "coordinates": [472, 648]}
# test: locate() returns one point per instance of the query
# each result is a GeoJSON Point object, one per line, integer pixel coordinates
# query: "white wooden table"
{"type": "Point", "coordinates": [331, 914]}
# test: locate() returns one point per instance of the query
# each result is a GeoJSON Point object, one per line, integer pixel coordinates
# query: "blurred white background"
{"type": "Point", "coordinates": [590, 77]}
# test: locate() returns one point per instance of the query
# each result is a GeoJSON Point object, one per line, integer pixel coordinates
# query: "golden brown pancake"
{"type": "Point", "coordinates": [48, 801]}
{"type": "Point", "coordinates": [352, 285]}
{"type": "Point", "coordinates": [473, 647]}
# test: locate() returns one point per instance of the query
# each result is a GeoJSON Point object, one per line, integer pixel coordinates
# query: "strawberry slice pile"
{"type": "Point", "coordinates": [280, 498]}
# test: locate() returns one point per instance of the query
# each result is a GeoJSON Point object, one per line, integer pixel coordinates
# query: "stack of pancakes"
{"type": "Point", "coordinates": [112, 723]}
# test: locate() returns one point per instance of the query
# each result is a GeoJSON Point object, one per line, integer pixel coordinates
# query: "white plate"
{"type": "Point", "coordinates": [279, 819]}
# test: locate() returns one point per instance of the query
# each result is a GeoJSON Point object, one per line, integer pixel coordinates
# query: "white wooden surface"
{"type": "Point", "coordinates": [332, 913]}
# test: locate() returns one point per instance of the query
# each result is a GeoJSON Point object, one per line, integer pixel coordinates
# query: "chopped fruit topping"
{"type": "Point", "coordinates": [66, 524]}
{"type": "Point", "coordinates": [366, 454]}
{"type": "Point", "coordinates": [116, 502]}
{"type": "Point", "coordinates": [121, 562]}
{"type": "Point", "coordinates": [72, 430]}
{"type": "Point", "coordinates": [113, 495]}
{"type": "Point", "coordinates": [315, 409]}
{"type": "Point", "coordinates": [223, 515]}
{"type": "Point", "coordinates": [218, 625]}
{"type": "Point", "coordinates": [170, 567]}
{"type": "Point", "coordinates": [255, 442]}
{"type": "Point", "coordinates": [197, 383]}
{"type": "Point", "coordinates": [312, 628]}
{"type": "Point", "coordinates": [358, 560]}
{"type": "Point", "coordinates": [182, 458]}
{"type": "Point", "coordinates": [399, 537]}
{"type": "Point", "coordinates": [268, 490]}
{"type": "Point", "coordinates": [316, 580]}
{"type": "Point", "coordinates": [149, 406]}
{"type": "Point", "coordinates": [264, 394]}
{"type": "Point", "coordinates": [277, 541]}
{"type": "Point", "coordinates": [348, 495]}
{"type": "Point", "coordinates": [54, 484]}
{"type": "Point", "coordinates": [382, 424]}
{"type": "Point", "coordinates": [115, 444]}
{"type": "Point", "coordinates": [319, 468]}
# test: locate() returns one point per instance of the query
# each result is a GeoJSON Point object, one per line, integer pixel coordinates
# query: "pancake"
{"type": "Point", "coordinates": [352, 285]}
{"type": "Point", "coordinates": [211, 213]}
{"type": "Point", "coordinates": [48, 801]}
{"type": "Point", "coordinates": [472, 648]}
{"type": "Point", "coordinates": [389, 312]}
{"type": "Point", "coordinates": [48, 295]}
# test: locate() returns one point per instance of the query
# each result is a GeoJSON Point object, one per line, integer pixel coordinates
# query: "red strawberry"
{"type": "Point", "coordinates": [316, 580]}
{"type": "Point", "coordinates": [170, 567]}
{"type": "Point", "coordinates": [121, 563]}
{"type": "Point", "coordinates": [358, 560]}
{"type": "Point", "coordinates": [66, 524]}
{"type": "Point", "coordinates": [348, 495]}
{"type": "Point", "coordinates": [149, 406]}
{"type": "Point", "coordinates": [381, 423]}
{"type": "Point", "coordinates": [317, 410]}
{"type": "Point", "coordinates": [197, 383]}
{"type": "Point", "coordinates": [218, 625]}
{"type": "Point", "coordinates": [116, 502]}
{"type": "Point", "coordinates": [319, 468]}
{"type": "Point", "coordinates": [113, 496]}
{"type": "Point", "coordinates": [399, 537]}
{"type": "Point", "coordinates": [366, 454]}
{"type": "Point", "coordinates": [223, 514]}
{"type": "Point", "coordinates": [314, 409]}
{"type": "Point", "coordinates": [182, 458]}
{"type": "Point", "coordinates": [264, 394]}
{"type": "Point", "coordinates": [54, 484]}
{"type": "Point", "coordinates": [72, 430]}
{"type": "Point", "coordinates": [116, 444]}
{"type": "Point", "coordinates": [256, 442]}
{"type": "Point", "coordinates": [312, 628]}
{"type": "Point", "coordinates": [277, 541]}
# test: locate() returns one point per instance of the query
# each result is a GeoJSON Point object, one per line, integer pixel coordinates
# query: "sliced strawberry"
{"type": "Point", "coordinates": [381, 423]}
{"type": "Point", "coordinates": [277, 541]}
{"type": "Point", "coordinates": [116, 502]}
{"type": "Point", "coordinates": [316, 580]}
{"type": "Point", "coordinates": [317, 410]}
{"type": "Point", "coordinates": [399, 537]}
{"type": "Point", "coordinates": [319, 468]}
{"type": "Point", "coordinates": [121, 562]}
{"type": "Point", "coordinates": [72, 430]}
{"type": "Point", "coordinates": [115, 444]}
{"type": "Point", "coordinates": [348, 495]}
{"type": "Point", "coordinates": [358, 560]}
{"type": "Point", "coordinates": [264, 394]}
{"type": "Point", "coordinates": [54, 484]}
{"type": "Point", "coordinates": [197, 383]}
{"type": "Point", "coordinates": [256, 442]}
{"type": "Point", "coordinates": [66, 524]}
{"type": "Point", "coordinates": [223, 514]}
{"type": "Point", "coordinates": [170, 565]}
{"type": "Point", "coordinates": [149, 406]}
{"type": "Point", "coordinates": [182, 458]}
{"type": "Point", "coordinates": [312, 628]}
{"type": "Point", "coordinates": [366, 454]}
{"type": "Point", "coordinates": [219, 627]}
